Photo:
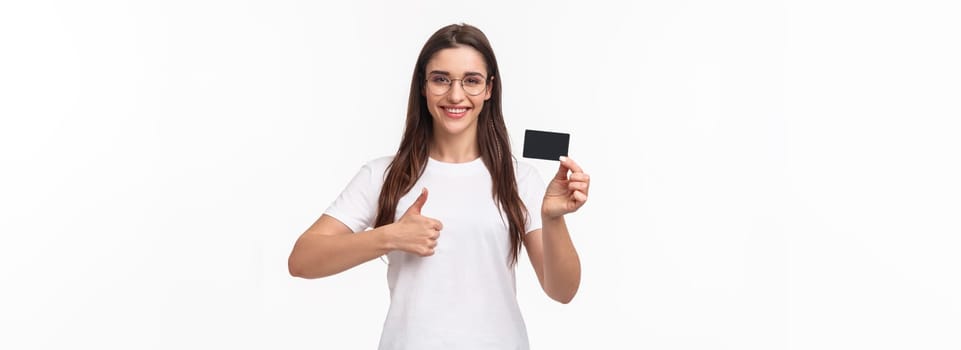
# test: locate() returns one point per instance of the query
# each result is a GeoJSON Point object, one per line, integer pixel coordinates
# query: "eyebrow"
{"type": "Point", "coordinates": [448, 73]}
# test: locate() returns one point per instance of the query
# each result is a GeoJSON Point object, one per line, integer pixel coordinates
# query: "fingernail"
{"type": "Point", "coordinates": [563, 158]}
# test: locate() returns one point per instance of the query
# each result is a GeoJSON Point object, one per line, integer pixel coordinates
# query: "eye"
{"type": "Point", "coordinates": [474, 81]}
{"type": "Point", "coordinates": [439, 79]}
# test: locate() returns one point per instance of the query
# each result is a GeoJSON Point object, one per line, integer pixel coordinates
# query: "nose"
{"type": "Point", "coordinates": [456, 92]}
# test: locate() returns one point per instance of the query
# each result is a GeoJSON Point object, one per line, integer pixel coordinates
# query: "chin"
{"type": "Point", "coordinates": [455, 127]}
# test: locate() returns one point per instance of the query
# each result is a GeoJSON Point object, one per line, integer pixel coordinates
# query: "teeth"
{"type": "Point", "coordinates": [457, 110]}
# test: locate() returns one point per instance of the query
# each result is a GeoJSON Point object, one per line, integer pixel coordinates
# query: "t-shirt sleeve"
{"type": "Point", "coordinates": [531, 188]}
{"type": "Point", "coordinates": [356, 206]}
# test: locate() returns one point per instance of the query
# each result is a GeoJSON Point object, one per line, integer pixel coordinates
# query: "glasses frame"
{"type": "Point", "coordinates": [450, 86]}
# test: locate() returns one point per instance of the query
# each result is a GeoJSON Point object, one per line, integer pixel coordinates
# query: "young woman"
{"type": "Point", "coordinates": [452, 252]}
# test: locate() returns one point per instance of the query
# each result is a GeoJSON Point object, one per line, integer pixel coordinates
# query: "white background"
{"type": "Point", "coordinates": [765, 174]}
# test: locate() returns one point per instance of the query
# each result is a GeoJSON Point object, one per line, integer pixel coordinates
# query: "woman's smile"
{"type": "Point", "coordinates": [455, 112]}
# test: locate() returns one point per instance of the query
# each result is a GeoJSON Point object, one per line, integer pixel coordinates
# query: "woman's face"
{"type": "Point", "coordinates": [455, 110]}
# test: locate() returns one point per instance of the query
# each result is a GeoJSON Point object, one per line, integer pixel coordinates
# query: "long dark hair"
{"type": "Point", "coordinates": [492, 138]}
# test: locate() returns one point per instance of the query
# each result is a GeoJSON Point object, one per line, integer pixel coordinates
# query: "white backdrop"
{"type": "Point", "coordinates": [766, 174]}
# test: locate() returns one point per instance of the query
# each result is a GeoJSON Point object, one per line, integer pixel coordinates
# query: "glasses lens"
{"type": "Point", "coordinates": [474, 85]}
{"type": "Point", "coordinates": [438, 84]}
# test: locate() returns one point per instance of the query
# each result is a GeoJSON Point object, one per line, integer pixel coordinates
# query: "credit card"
{"type": "Point", "coordinates": [545, 144]}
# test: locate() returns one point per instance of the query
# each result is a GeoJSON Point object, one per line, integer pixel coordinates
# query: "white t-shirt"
{"type": "Point", "coordinates": [463, 296]}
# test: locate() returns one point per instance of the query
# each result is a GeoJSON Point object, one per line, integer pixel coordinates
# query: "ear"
{"type": "Point", "coordinates": [490, 86]}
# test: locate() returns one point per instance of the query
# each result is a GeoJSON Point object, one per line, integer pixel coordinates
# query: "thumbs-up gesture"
{"type": "Point", "coordinates": [415, 233]}
{"type": "Point", "coordinates": [565, 194]}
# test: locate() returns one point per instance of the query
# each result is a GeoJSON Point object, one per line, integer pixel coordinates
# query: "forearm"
{"type": "Point", "coordinates": [317, 256]}
{"type": "Point", "coordinates": [562, 267]}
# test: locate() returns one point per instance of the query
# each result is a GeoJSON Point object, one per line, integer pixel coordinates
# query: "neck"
{"type": "Point", "coordinates": [455, 148]}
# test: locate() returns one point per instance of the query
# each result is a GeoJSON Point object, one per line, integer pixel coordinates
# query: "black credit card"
{"type": "Point", "coordinates": [545, 144]}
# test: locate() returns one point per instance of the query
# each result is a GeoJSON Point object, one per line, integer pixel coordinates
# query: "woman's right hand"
{"type": "Point", "coordinates": [415, 233]}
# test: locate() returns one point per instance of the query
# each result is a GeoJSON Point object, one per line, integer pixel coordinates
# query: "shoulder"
{"type": "Point", "coordinates": [525, 172]}
{"type": "Point", "coordinates": [376, 168]}
{"type": "Point", "coordinates": [379, 163]}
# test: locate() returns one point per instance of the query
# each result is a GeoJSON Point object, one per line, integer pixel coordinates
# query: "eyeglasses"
{"type": "Point", "coordinates": [439, 84]}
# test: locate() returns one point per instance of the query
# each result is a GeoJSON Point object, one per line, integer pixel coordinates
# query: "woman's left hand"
{"type": "Point", "coordinates": [566, 194]}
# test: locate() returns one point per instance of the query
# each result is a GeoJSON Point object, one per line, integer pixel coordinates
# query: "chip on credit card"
{"type": "Point", "coordinates": [545, 144]}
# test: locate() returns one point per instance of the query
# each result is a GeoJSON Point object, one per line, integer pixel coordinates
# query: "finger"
{"type": "Point", "coordinates": [585, 185]}
{"type": "Point", "coordinates": [418, 203]}
{"type": "Point", "coordinates": [577, 186]}
{"type": "Point", "coordinates": [580, 177]}
{"type": "Point", "coordinates": [561, 171]}
{"type": "Point", "coordinates": [579, 196]}
{"type": "Point", "coordinates": [571, 164]}
{"type": "Point", "coordinates": [436, 224]}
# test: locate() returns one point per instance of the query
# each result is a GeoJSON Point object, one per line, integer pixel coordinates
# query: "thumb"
{"type": "Point", "coordinates": [561, 170]}
{"type": "Point", "coordinates": [418, 203]}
